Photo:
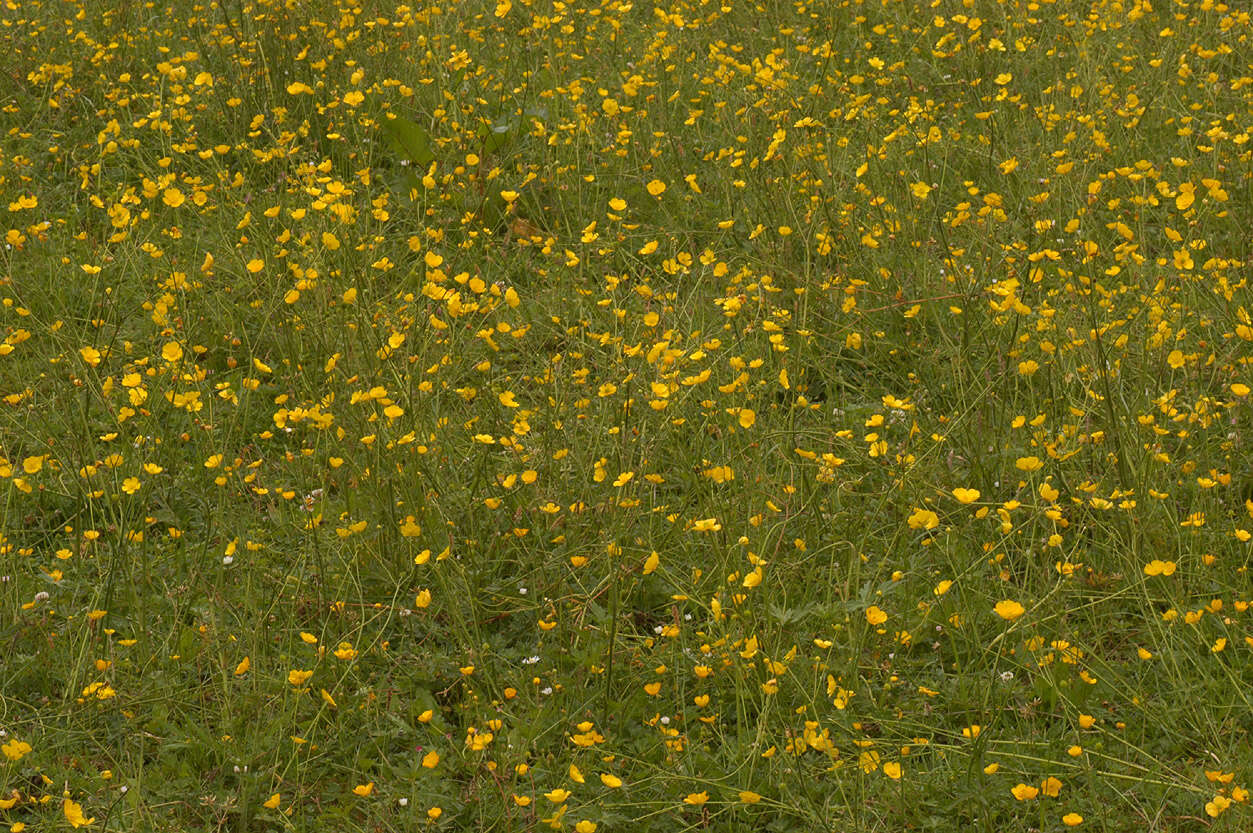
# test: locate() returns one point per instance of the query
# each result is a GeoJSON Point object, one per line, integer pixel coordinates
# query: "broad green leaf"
{"type": "Point", "coordinates": [410, 140]}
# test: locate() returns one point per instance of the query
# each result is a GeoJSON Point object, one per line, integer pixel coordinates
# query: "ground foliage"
{"type": "Point", "coordinates": [612, 416]}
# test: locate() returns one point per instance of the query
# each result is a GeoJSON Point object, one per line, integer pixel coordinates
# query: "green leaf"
{"type": "Point", "coordinates": [504, 131]}
{"type": "Point", "coordinates": [409, 139]}
{"type": "Point", "coordinates": [497, 136]}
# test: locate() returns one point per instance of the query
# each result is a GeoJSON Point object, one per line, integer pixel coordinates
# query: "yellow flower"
{"type": "Point", "coordinates": [1072, 819]}
{"type": "Point", "coordinates": [1185, 197]}
{"type": "Point", "coordinates": [650, 563]}
{"type": "Point", "coordinates": [345, 651]}
{"type": "Point", "coordinates": [966, 495]}
{"type": "Point", "coordinates": [585, 826]}
{"type": "Point", "coordinates": [271, 803]}
{"type": "Point", "coordinates": [696, 799]}
{"type": "Point", "coordinates": [610, 781]}
{"type": "Point", "coordinates": [923, 519]}
{"type": "Point", "coordinates": [749, 797]}
{"type": "Point", "coordinates": [1022, 792]}
{"type": "Point", "coordinates": [1009, 610]}
{"type": "Point", "coordinates": [364, 790]}
{"type": "Point", "coordinates": [74, 814]}
{"type": "Point", "coordinates": [875, 616]}
{"type": "Point", "coordinates": [297, 677]}
{"type": "Point", "coordinates": [1213, 808]}
{"type": "Point", "coordinates": [15, 749]}
{"type": "Point", "coordinates": [557, 796]}
{"type": "Point", "coordinates": [656, 187]}
{"type": "Point", "coordinates": [892, 769]}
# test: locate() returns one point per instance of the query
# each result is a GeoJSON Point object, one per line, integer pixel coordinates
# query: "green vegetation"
{"type": "Point", "coordinates": [617, 417]}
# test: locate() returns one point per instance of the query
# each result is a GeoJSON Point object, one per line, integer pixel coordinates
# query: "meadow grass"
{"type": "Point", "coordinates": [616, 416]}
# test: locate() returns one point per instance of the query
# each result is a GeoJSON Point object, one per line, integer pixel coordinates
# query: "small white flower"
{"type": "Point", "coordinates": [228, 560]}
